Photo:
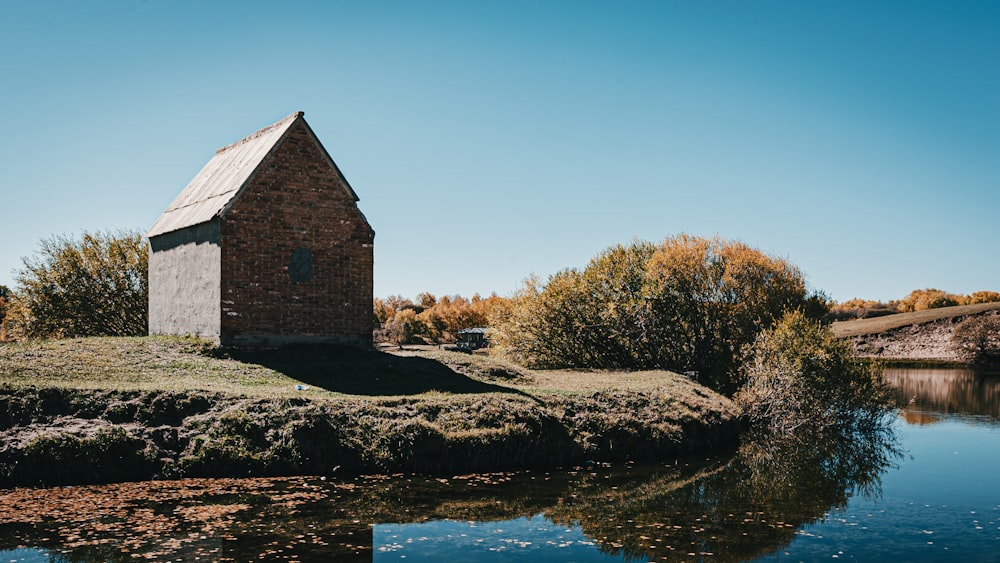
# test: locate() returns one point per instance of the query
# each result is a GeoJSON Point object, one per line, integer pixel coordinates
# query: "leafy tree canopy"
{"type": "Point", "coordinates": [689, 304]}
{"type": "Point", "coordinates": [92, 285]}
{"type": "Point", "coordinates": [802, 381]}
{"type": "Point", "coordinates": [431, 319]}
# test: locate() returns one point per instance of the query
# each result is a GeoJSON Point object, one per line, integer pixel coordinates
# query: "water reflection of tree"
{"type": "Point", "coordinates": [955, 391]}
{"type": "Point", "coordinates": [919, 418]}
{"type": "Point", "coordinates": [750, 508]}
{"type": "Point", "coordinates": [736, 509]}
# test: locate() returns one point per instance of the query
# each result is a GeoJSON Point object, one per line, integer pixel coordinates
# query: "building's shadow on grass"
{"type": "Point", "coordinates": [353, 371]}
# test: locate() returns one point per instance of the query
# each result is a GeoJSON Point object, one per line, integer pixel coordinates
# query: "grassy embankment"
{"type": "Point", "coordinates": [114, 409]}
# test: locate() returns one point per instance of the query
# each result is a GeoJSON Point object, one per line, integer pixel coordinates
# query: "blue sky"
{"type": "Point", "coordinates": [490, 140]}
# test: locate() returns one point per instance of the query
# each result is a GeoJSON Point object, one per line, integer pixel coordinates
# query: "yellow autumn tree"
{"type": "Point", "coordinates": [981, 297]}
{"type": "Point", "coordinates": [688, 304]}
{"type": "Point", "coordinates": [431, 319]}
{"type": "Point", "coordinates": [595, 318]}
{"type": "Point", "coordinates": [923, 299]}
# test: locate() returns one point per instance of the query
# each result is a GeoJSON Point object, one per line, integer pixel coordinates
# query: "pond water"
{"type": "Point", "coordinates": [928, 493]}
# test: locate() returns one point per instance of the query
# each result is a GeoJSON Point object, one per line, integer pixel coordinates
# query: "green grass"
{"type": "Point", "coordinates": [343, 374]}
{"type": "Point", "coordinates": [146, 364]}
{"type": "Point", "coordinates": [877, 325]}
{"type": "Point", "coordinates": [184, 364]}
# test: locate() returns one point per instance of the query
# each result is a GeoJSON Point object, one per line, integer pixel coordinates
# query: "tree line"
{"type": "Point", "coordinates": [688, 304]}
{"type": "Point", "coordinates": [431, 319]}
{"type": "Point", "coordinates": [739, 320]}
{"type": "Point", "coordinates": [916, 300]}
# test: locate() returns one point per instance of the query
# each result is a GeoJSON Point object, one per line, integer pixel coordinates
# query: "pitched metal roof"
{"type": "Point", "coordinates": [209, 193]}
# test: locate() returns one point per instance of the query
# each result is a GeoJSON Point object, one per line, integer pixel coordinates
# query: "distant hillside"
{"type": "Point", "coordinates": [876, 325]}
{"type": "Point", "coordinates": [918, 336]}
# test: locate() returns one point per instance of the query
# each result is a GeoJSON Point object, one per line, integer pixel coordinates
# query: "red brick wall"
{"type": "Point", "coordinates": [296, 200]}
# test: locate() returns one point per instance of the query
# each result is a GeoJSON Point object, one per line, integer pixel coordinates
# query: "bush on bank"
{"type": "Point", "coordinates": [801, 380]}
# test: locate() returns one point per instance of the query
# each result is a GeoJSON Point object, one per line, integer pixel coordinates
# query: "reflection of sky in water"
{"type": "Point", "coordinates": [24, 556]}
{"type": "Point", "coordinates": [941, 504]}
{"type": "Point", "coordinates": [522, 539]}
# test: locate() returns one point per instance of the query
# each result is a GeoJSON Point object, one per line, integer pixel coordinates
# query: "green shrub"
{"type": "Point", "coordinates": [408, 445]}
{"type": "Point", "coordinates": [979, 338]}
{"type": "Point", "coordinates": [96, 285]}
{"type": "Point", "coordinates": [239, 443]}
{"type": "Point", "coordinates": [801, 379]}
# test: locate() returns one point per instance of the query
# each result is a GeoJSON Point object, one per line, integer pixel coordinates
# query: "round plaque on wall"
{"type": "Point", "coordinates": [300, 265]}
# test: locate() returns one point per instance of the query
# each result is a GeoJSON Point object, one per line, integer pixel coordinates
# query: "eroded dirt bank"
{"type": "Point", "coordinates": [929, 341]}
{"type": "Point", "coordinates": [53, 435]}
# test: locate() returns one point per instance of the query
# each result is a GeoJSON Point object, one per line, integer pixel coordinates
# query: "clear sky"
{"type": "Point", "coordinates": [492, 140]}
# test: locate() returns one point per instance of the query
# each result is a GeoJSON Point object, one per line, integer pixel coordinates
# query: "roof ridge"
{"type": "Point", "coordinates": [261, 132]}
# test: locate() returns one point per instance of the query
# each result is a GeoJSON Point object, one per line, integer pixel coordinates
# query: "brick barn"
{"type": "Point", "coordinates": [266, 246]}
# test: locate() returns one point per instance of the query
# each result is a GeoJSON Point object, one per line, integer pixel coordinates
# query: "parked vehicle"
{"type": "Point", "coordinates": [470, 339]}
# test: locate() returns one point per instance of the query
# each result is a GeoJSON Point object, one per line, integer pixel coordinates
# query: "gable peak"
{"type": "Point", "coordinates": [283, 123]}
